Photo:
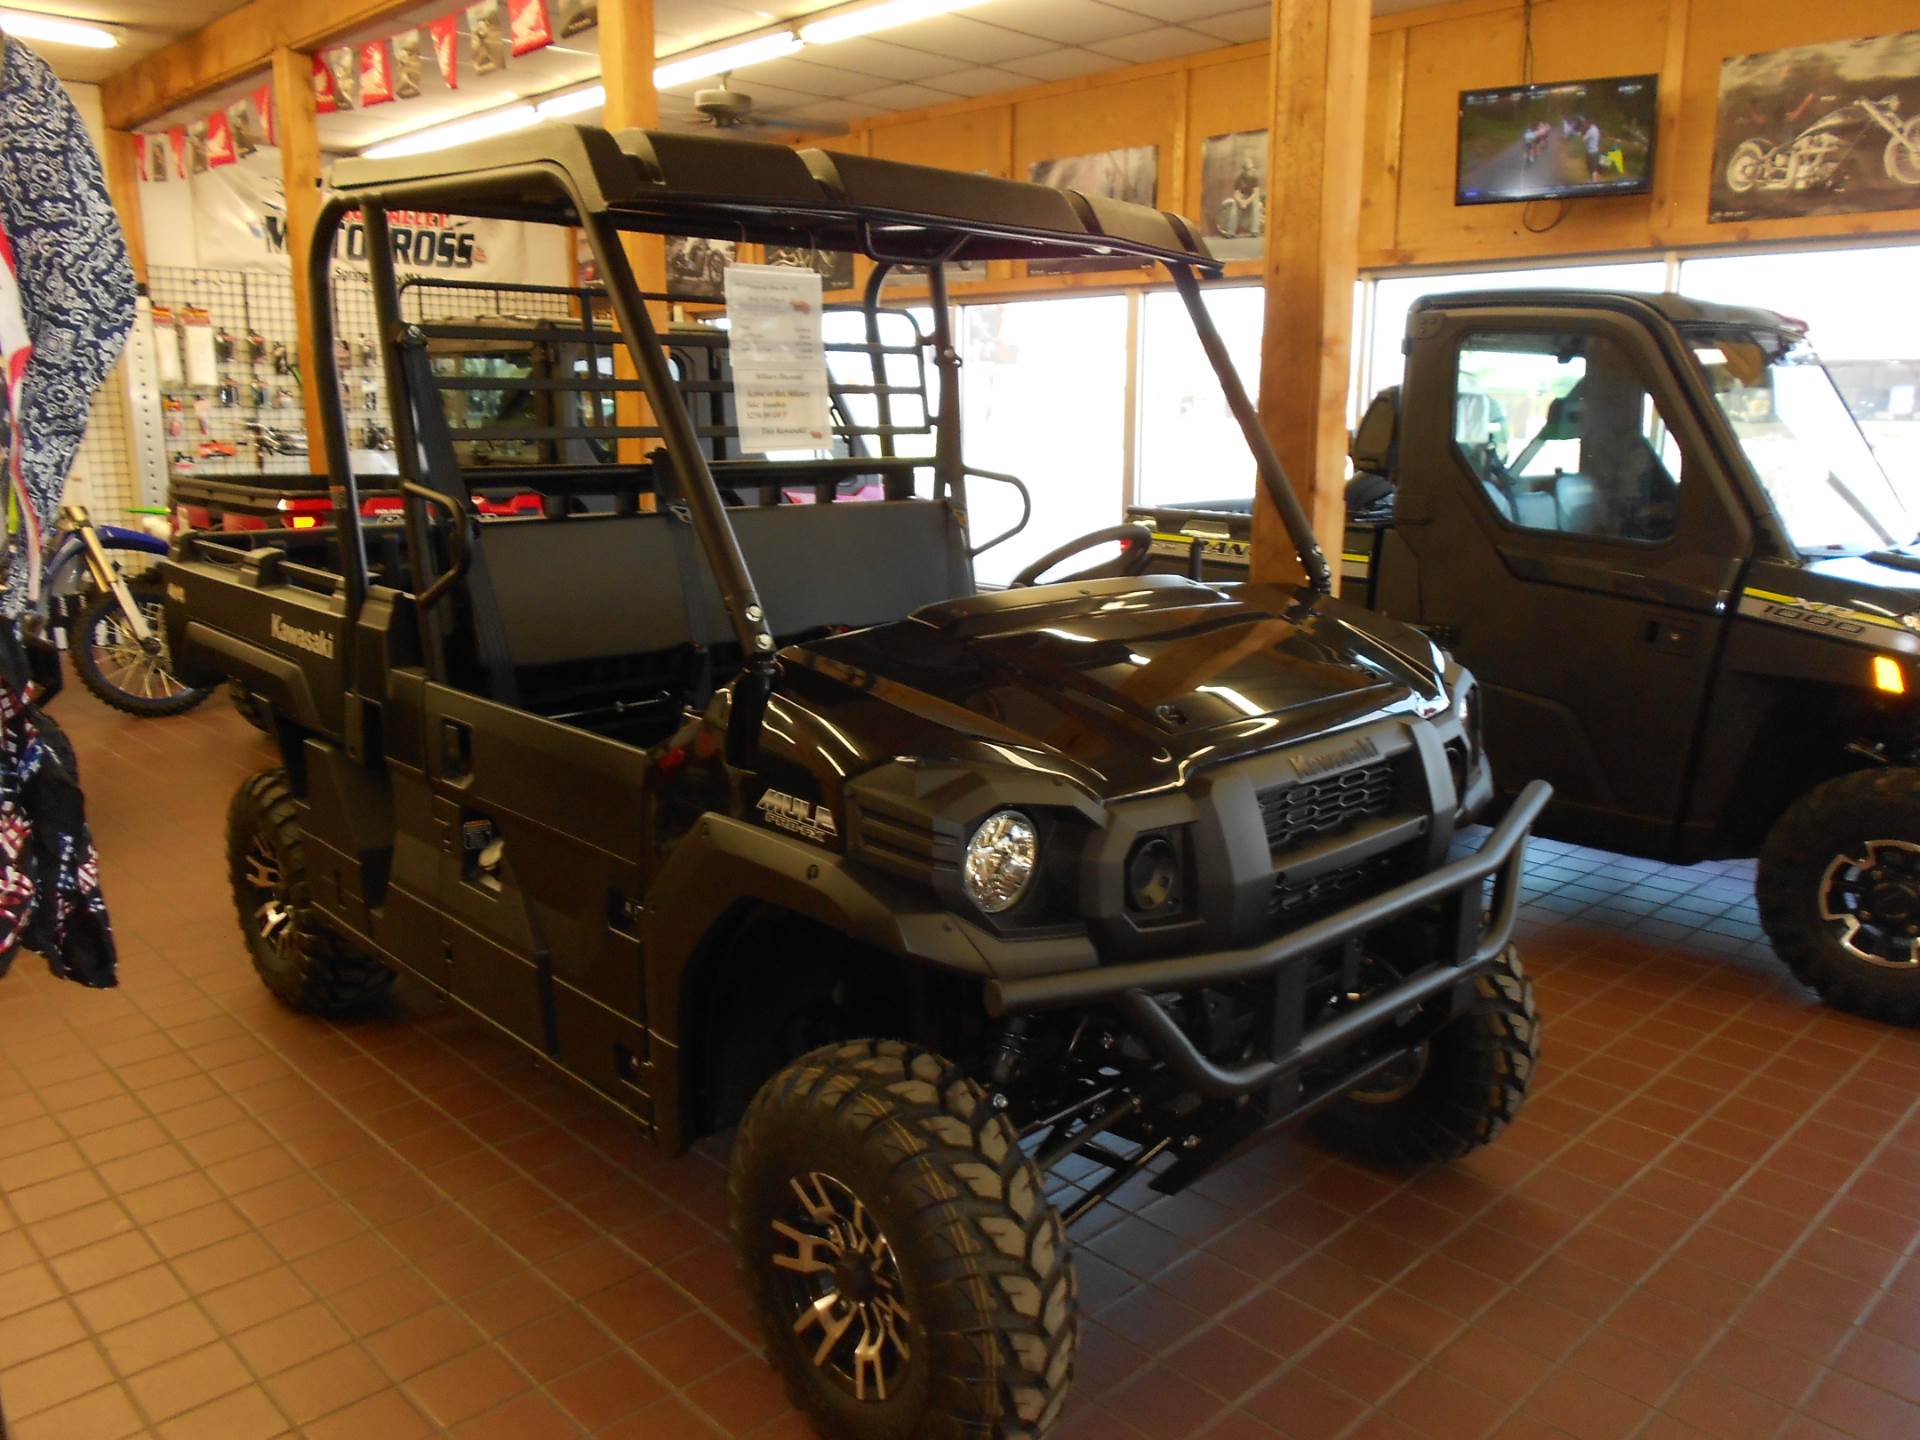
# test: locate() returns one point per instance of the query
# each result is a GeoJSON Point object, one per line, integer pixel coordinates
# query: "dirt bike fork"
{"type": "Point", "coordinates": [107, 576]}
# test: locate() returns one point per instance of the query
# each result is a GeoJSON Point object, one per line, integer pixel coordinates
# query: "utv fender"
{"type": "Point", "coordinates": [280, 681]}
{"type": "Point", "coordinates": [723, 865]}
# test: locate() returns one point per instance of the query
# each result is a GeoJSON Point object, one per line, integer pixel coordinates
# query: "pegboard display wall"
{"type": "Point", "coordinates": [250, 420]}
{"type": "Point", "coordinates": [102, 477]}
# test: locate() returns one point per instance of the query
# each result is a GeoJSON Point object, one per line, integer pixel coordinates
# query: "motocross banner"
{"type": "Point", "coordinates": [234, 218]}
{"type": "Point", "coordinates": [1819, 130]}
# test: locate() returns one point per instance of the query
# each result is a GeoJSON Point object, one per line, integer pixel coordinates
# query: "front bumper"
{"type": "Point", "coordinates": [1478, 933]}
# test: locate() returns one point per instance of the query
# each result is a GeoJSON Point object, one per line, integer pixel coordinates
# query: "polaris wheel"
{"type": "Point", "coordinates": [1839, 892]}
{"type": "Point", "coordinates": [910, 1278]}
{"type": "Point", "coordinates": [300, 961]}
{"type": "Point", "coordinates": [133, 678]}
{"type": "Point", "coordinates": [1454, 1093]}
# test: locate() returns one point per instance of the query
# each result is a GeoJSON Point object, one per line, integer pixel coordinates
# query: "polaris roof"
{"type": "Point", "coordinates": [1680, 309]}
{"type": "Point", "coordinates": [728, 189]}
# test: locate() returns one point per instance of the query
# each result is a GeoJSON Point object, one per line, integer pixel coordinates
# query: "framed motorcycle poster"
{"type": "Point", "coordinates": [1819, 130]}
{"type": "Point", "coordinates": [1233, 194]}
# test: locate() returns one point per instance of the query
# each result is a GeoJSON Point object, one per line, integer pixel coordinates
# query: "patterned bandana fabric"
{"type": "Point", "coordinates": [50, 898]}
{"type": "Point", "coordinates": [76, 288]}
{"type": "Point", "coordinates": [66, 306]}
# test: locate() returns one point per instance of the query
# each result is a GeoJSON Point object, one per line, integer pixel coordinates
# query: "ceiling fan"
{"type": "Point", "coordinates": [725, 108]}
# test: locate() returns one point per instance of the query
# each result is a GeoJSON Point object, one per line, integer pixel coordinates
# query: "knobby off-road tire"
{"type": "Point", "coordinates": [1465, 1088]}
{"type": "Point", "coordinates": [300, 961]}
{"type": "Point", "coordinates": [1803, 886]}
{"type": "Point", "coordinates": [250, 711]}
{"type": "Point", "coordinates": [161, 692]}
{"type": "Point", "coordinates": [878, 1171]}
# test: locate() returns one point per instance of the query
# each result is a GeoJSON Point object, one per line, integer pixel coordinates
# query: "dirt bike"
{"type": "Point", "coordinates": [1815, 159]}
{"type": "Point", "coordinates": [113, 623]}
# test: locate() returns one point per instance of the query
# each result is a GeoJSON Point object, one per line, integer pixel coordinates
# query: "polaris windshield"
{"type": "Point", "coordinates": [1818, 471]}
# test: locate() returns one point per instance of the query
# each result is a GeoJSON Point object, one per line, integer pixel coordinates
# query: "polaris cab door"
{"type": "Point", "coordinates": [1576, 548]}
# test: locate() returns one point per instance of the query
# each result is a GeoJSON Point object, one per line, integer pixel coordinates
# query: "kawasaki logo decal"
{"type": "Point", "coordinates": [800, 817]}
{"type": "Point", "coordinates": [314, 642]}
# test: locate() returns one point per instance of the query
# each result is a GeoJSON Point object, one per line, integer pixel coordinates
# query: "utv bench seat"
{"type": "Point", "coordinates": [594, 591]}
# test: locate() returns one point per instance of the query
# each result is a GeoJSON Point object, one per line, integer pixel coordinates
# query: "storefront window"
{"type": "Point", "coordinates": [1043, 397]}
{"type": "Point", "coordinates": [1190, 446]}
{"type": "Point", "coordinates": [1863, 315]}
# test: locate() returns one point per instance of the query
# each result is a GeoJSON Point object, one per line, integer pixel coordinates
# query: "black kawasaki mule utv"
{"type": "Point", "coordinates": [720, 787]}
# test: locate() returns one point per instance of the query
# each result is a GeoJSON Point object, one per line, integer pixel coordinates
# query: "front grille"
{"type": "Point", "coordinates": [1315, 808]}
{"type": "Point", "coordinates": [1303, 900]}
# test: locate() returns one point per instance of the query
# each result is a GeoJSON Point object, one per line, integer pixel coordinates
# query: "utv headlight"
{"type": "Point", "coordinates": [1000, 861]}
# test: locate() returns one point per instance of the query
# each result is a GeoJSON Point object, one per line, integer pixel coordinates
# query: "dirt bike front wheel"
{"type": "Point", "coordinates": [1903, 154]}
{"type": "Point", "coordinates": [113, 664]}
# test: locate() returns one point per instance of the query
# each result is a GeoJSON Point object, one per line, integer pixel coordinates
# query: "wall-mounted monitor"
{"type": "Point", "coordinates": [1538, 142]}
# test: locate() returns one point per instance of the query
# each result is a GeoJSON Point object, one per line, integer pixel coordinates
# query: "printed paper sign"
{"type": "Point", "coordinates": [779, 358]}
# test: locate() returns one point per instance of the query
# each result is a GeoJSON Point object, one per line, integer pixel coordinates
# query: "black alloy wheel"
{"type": "Point", "coordinates": [1838, 887]}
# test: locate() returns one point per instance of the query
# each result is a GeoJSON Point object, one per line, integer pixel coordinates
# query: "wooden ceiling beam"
{"type": "Point", "coordinates": [239, 44]}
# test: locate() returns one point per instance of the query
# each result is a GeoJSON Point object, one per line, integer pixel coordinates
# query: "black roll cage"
{"type": "Point", "coordinates": [658, 182]}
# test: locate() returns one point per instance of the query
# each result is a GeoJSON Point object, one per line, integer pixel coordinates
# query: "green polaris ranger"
{"type": "Point", "coordinates": [719, 785]}
{"type": "Point", "coordinates": [1691, 594]}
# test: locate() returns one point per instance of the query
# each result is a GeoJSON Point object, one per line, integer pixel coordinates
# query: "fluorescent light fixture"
{"type": "Point", "coordinates": [436, 137]}
{"type": "Point", "coordinates": [591, 98]}
{"type": "Point", "coordinates": [845, 24]}
{"type": "Point", "coordinates": [679, 70]}
{"type": "Point", "coordinates": [23, 25]}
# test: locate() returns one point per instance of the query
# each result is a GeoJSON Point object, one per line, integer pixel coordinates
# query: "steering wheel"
{"type": "Point", "coordinates": [1136, 548]}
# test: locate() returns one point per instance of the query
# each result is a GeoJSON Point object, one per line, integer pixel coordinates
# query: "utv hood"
{"type": "Point", "coordinates": [1121, 685]}
{"type": "Point", "coordinates": [1868, 600]}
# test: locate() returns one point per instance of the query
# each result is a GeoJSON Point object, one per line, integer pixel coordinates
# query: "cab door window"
{"type": "Point", "coordinates": [1563, 436]}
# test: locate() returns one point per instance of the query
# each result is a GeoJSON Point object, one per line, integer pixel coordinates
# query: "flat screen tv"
{"type": "Point", "coordinates": [1540, 142]}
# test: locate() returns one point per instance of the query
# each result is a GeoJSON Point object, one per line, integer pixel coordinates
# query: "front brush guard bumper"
{"type": "Point", "coordinates": [1480, 934]}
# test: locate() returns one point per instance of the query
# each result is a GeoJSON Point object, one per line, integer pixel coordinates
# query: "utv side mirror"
{"type": "Point", "coordinates": [1375, 449]}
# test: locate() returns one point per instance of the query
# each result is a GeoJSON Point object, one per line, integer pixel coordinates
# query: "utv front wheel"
{"type": "Point", "coordinates": [909, 1276]}
{"type": "Point", "coordinates": [300, 961]}
{"type": "Point", "coordinates": [1452, 1094]}
{"type": "Point", "coordinates": [1839, 892]}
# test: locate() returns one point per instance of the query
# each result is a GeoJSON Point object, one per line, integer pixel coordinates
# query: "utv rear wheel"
{"type": "Point", "coordinates": [1456, 1092]}
{"type": "Point", "coordinates": [910, 1278]}
{"type": "Point", "coordinates": [1839, 892]}
{"type": "Point", "coordinates": [296, 956]}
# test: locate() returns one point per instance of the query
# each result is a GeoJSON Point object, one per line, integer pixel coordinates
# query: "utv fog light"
{"type": "Point", "coordinates": [1001, 858]}
{"type": "Point", "coordinates": [1153, 872]}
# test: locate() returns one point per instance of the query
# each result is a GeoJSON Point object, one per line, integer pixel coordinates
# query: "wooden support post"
{"type": "Point", "coordinates": [626, 69]}
{"type": "Point", "coordinates": [123, 184]}
{"type": "Point", "coordinates": [297, 134]}
{"type": "Point", "coordinates": [1318, 81]}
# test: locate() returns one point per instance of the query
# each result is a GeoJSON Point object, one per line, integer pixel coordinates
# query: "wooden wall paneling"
{"type": "Point", "coordinates": [123, 184]}
{"type": "Point", "coordinates": [296, 130]}
{"type": "Point", "coordinates": [1571, 41]}
{"type": "Point", "coordinates": [1319, 64]}
{"type": "Point", "coordinates": [1716, 31]}
{"type": "Point", "coordinates": [1381, 144]}
{"type": "Point", "coordinates": [626, 69]}
{"type": "Point", "coordinates": [1667, 185]}
{"type": "Point", "coordinates": [1222, 99]}
{"type": "Point", "coordinates": [229, 49]}
{"type": "Point", "coordinates": [1089, 119]}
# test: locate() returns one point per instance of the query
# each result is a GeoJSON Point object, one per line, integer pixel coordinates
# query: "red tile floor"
{"type": "Point", "coordinates": [223, 1220]}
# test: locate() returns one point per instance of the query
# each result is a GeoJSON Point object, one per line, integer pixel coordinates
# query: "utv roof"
{"type": "Point", "coordinates": [1677, 309]}
{"type": "Point", "coordinates": [728, 189]}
